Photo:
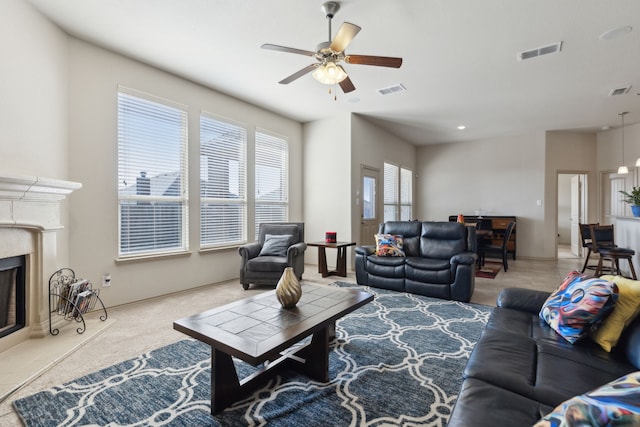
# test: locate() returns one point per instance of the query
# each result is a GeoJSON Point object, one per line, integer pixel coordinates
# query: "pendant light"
{"type": "Point", "coordinates": [623, 169]}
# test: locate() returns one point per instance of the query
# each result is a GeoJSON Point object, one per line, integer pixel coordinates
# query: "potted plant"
{"type": "Point", "coordinates": [633, 199]}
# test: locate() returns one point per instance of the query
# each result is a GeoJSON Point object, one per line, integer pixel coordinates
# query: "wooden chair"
{"type": "Point", "coordinates": [602, 238]}
{"type": "Point", "coordinates": [585, 240]}
{"type": "Point", "coordinates": [500, 249]}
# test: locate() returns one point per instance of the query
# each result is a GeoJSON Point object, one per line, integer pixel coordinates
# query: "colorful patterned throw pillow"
{"type": "Point", "coordinates": [389, 245]}
{"type": "Point", "coordinates": [614, 404]}
{"type": "Point", "coordinates": [579, 305]}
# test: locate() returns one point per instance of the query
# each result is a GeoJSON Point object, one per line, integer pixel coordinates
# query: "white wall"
{"type": "Point", "coordinates": [33, 100]}
{"type": "Point", "coordinates": [500, 176]}
{"type": "Point", "coordinates": [569, 152]}
{"type": "Point", "coordinates": [373, 146]}
{"type": "Point", "coordinates": [94, 76]}
{"type": "Point", "coordinates": [326, 164]}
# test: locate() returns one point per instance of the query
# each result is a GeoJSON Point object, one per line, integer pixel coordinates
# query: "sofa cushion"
{"type": "Point", "coordinates": [392, 267]}
{"type": "Point", "coordinates": [389, 245]}
{"type": "Point", "coordinates": [579, 305]}
{"type": "Point", "coordinates": [428, 270]}
{"type": "Point", "coordinates": [267, 263]}
{"type": "Point", "coordinates": [626, 309]}
{"type": "Point", "coordinates": [481, 404]}
{"type": "Point", "coordinates": [614, 404]}
{"type": "Point", "coordinates": [541, 370]}
{"type": "Point", "coordinates": [442, 240]}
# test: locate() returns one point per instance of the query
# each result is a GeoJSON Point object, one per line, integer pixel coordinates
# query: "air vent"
{"type": "Point", "coordinates": [619, 91]}
{"type": "Point", "coordinates": [392, 89]}
{"type": "Point", "coordinates": [544, 50]}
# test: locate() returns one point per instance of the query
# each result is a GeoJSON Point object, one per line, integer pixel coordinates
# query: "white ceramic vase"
{"type": "Point", "coordinates": [288, 290]}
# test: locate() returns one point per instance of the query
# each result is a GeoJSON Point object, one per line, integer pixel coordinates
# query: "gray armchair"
{"type": "Point", "coordinates": [264, 261]}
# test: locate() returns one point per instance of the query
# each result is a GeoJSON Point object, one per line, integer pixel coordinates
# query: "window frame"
{"type": "Point", "coordinates": [271, 137]}
{"type": "Point", "coordinates": [242, 200]}
{"type": "Point", "coordinates": [397, 198]}
{"type": "Point", "coordinates": [132, 99]}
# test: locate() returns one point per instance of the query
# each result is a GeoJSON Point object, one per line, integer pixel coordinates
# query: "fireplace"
{"type": "Point", "coordinates": [12, 295]}
{"type": "Point", "coordinates": [30, 222]}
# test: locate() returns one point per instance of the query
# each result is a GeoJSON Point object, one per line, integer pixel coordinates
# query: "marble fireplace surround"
{"type": "Point", "coordinates": [30, 221]}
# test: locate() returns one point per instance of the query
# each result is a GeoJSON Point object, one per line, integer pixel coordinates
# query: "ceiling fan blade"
{"type": "Point", "coordinates": [346, 33]}
{"type": "Point", "coordinates": [380, 61]}
{"type": "Point", "coordinates": [287, 49]}
{"type": "Point", "coordinates": [347, 85]}
{"type": "Point", "coordinates": [298, 74]}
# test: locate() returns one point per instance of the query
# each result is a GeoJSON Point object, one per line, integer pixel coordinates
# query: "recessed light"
{"type": "Point", "coordinates": [614, 33]}
{"type": "Point", "coordinates": [461, 127]}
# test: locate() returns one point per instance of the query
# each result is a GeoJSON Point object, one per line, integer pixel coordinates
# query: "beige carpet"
{"type": "Point", "coordinates": [146, 325]}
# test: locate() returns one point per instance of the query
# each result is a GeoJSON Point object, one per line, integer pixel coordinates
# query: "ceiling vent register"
{"type": "Point", "coordinates": [544, 50]}
{"type": "Point", "coordinates": [619, 91]}
{"type": "Point", "coordinates": [392, 89]}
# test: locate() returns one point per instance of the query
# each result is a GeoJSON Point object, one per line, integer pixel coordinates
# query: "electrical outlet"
{"type": "Point", "coordinates": [106, 280]}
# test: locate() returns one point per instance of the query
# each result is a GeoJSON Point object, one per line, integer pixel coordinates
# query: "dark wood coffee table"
{"type": "Point", "coordinates": [259, 331]}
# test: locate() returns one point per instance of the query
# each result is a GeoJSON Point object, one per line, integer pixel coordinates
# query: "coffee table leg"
{"type": "Point", "coordinates": [316, 356]}
{"type": "Point", "coordinates": [225, 387]}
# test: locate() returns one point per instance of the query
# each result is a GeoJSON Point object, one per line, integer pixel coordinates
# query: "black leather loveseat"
{"type": "Point", "coordinates": [439, 260]}
{"type": "Point", "coordinates": [521, 369]}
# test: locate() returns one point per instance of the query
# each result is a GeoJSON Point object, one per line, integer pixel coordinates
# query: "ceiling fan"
{"type": "Point", "coordinates": [330, 53]}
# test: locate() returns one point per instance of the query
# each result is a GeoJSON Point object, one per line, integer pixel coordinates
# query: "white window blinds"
{"type": "Point", "coordinates": [272, 177]}
{"type": "Point", "coordinates": [152, 184]}
{"type": "Point", "coordinates": [223, 202]}
{"type": "Point", "coordinates": [406, 194]}
{"type": "Point", "coordinates": [390, 192]}
{"type": "Point", "coordinates": [398, 193]}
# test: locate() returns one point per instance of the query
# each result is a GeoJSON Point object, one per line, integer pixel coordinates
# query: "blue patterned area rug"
{"type": "Point", "coordinates": [397, 361]}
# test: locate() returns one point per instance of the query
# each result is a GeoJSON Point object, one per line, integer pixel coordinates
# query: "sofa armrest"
{"type": "Point", "coordinates": [250, 250]}
{"type": "Point", "coordinates": [295, 250]}
{"type": "Point", "coordinates": [528, 300]}
{"type": "Point", "coordinates": [365, 250]}
{"type": "Point", "coordinates": [468, 258]}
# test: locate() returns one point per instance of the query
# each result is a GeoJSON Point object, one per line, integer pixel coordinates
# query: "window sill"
{"type": "Point", "coordinates": [152, 257]}
{"type": "Point", "coordinates": [219, 248]}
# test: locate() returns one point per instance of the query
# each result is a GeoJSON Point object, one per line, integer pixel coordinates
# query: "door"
{"type": "Point", "coordinates": [576, 214]}
{"type": "Point", "coordinates": [369, 205]}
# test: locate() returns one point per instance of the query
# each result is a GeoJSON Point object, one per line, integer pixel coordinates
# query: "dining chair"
{"type": "Point", "coordinates": [603, 241]}
{"type": "Point", "coordinates": [502, 249]}
{"type": "Point", "coordinates": [587, 243]}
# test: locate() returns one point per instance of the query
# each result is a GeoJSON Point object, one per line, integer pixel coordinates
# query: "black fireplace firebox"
{"type": "Point", "coordinates": [12, 295]}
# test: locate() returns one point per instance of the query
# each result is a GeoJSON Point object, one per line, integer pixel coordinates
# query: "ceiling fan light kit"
{"type": "Point", "coordinates": [328, 54]}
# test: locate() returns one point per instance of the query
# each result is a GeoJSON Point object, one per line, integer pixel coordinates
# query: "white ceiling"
{"type": "Point", "coordinates": [460, 58]}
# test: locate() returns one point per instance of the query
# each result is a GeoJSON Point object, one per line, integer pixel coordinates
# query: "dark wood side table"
{"type": "Point", "coordinates": [341, 259]}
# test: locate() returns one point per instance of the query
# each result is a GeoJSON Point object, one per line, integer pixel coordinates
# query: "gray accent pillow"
{"type": "Point", "coordinates": [275, 244]}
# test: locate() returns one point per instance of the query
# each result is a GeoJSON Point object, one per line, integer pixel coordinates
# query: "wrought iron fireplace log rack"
{"type": "Point", "coordinates": [71, 298]}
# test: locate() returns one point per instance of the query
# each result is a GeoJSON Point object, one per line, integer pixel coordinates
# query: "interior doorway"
{"type": "Point", "coordinates": [571, 211]}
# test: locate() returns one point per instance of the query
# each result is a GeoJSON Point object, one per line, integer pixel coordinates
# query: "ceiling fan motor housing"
{"type": "Point", "coordinates": [330, 8]}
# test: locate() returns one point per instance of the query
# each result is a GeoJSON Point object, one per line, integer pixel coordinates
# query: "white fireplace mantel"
{"type": "Point", "coordinates": [35, 188]}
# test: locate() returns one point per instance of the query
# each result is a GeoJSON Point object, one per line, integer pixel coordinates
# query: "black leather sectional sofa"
{"type": "Point", "coordinates": [521, 369]}
{"type": "Point", "coordinates": [440, 260]}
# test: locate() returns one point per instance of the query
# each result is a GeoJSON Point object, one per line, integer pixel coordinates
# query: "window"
{"type": "Point", "coordinates": [406, 194]}
{"type": "Point", "coordinates": [398, 193]}
{"type": "Point", "coordinates": [223, 202]}
{"type": "Point", "coordinates": [152, 184]}
{"type": "Point", "coordinates": [272, 177]}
